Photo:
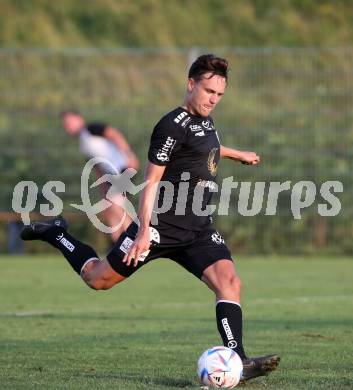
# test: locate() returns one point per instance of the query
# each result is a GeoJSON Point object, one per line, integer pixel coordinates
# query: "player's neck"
{"type": "Point", "coordinates": [189, 108]}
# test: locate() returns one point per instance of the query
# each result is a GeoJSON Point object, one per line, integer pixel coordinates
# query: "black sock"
{"type": "Point", "coordinates": [75, 252]}
{"type": "Point", "coordinates": [230, 325]}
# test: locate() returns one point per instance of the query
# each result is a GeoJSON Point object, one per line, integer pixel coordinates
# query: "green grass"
{"type": "Point", "coordinates": [148, 332]}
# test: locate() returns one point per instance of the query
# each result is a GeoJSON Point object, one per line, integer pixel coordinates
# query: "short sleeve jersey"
{"type": "Point", "coordinates": [93, 143]}
{"type": "Point", "coordinates": [189, 147]}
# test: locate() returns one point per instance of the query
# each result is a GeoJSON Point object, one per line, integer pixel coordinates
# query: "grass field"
{"type": "Point", "coordinates": [148, 332]}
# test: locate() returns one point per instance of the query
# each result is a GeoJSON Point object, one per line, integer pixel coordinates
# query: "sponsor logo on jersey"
{"type": "Point", "coordinates": [200, 134]}
{"type": "Point", "coordinates": [231, 342]}
{"type": "Point", "coordinates": [207, 125]}
{"type": "Point", "coordinates": [208, 184]}
{"type": "Point", "coordinates": [164, 152]}
{"type": "Point", "coordinates": [217, 238]}
{"type": "Point", "coordinates": [66, 243]}
{"type": "Point", "coordinates": [180, 117]}
{"type": "Point", "coordinates": [162, 156]}
{"type": "Point", "coordinates": [211, 164]}
{"type": "Point", "coordinates": [186, 121]}
{"type": "Point", "coordinates": [195, 127]}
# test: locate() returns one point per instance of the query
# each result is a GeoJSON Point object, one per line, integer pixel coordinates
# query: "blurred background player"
{"type": "Point", "coordinates": [98, 139]}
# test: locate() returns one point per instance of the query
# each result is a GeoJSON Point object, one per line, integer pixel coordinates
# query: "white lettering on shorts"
{"type": "Point", "coordinates": [126, 245]}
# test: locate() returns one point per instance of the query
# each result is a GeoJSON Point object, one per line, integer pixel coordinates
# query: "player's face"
{"type": "Point", "coordinates": [205, 94]}
{"type": "Point", "coordinates": [72, 123]}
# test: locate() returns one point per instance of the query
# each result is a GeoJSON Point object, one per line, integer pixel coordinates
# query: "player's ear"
{"type": "Point", "coordinates": [191, 84]}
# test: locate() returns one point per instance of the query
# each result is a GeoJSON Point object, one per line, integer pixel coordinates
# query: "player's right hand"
{"type": "Point", "coordinates": [249, 158]}
{"type": "Point", "coordinates": [140, 245]}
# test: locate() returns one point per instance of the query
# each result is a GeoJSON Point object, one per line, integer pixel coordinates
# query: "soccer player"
{"type": "Point", "coordinates": [97, 139]}
{"type": "Point", "coordinates": [184, 151]}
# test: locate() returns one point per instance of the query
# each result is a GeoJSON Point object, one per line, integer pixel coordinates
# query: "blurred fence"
{"type": "Point", "coordinates": [292, 106]}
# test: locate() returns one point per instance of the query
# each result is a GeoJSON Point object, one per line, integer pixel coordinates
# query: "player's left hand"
{"type": "Point", "coordinates": [139, 246]}
{"type": "Point", "coordinates": [249, 158]}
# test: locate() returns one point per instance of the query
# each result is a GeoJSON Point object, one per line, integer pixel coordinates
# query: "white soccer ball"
{"type": "Point", "coordinates": [220, 367]}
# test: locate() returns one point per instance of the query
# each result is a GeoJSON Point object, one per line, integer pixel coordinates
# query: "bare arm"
{"type": "Point", "coordinates": [115, 136]}
{"type": "Point", "coordinates": [153, 175]}
{"type": "Point", "coordinates": [250, 158]}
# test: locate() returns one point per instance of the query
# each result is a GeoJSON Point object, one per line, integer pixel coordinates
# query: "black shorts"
{"type": "Point", "coordinates": [193, 250]}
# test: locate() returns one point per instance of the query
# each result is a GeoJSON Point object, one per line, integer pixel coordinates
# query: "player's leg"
{"type": "Point", "coordinates": [223, 280]}
{"type": "Point", "coordinates": [96, 273]}
{"type": "Point", "coordinates": [99, 275]}
{"type": "Point", "coordinates": [116, 216]}
{"type": "Point", "coordinates": [212, 263]}
{"type": "Point", "coordinates": [209, 259]}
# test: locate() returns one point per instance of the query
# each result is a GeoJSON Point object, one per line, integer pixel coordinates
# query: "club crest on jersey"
{"type": "Point", "coordinates": [211, 164]}
{"type": "Point", "coordinates": [207, 125]}
{"type": "Point", "coordinates": [217, 238]}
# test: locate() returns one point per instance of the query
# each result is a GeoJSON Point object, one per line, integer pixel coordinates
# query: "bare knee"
{"type": "Point", "coordinates": [98, 284]}
{"type": "Point", "coordinates": [99, 275]}
{"type": "Point", "coordinates": [233, 283]}
{"type": "Point", "coordinates": [229, 288]}
{"type": "Point", "coordinates": [236, 282]}
{"type": "Point", "coordinates": [91, 276]}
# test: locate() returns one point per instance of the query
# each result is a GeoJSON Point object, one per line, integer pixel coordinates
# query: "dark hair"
{"type": "Point", "coordinates": [208, 63]}
{"type": "Point", "coordinates": [70, 112]}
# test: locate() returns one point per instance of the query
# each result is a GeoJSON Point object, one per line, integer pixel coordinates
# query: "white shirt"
{"type": "Point", "coordinates": [97, 146]}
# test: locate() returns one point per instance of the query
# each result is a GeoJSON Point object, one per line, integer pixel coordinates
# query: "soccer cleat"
{"type": "Point", "coordinates": [259, 366]}
{"type": "Point", "coordinates": [35, 230]}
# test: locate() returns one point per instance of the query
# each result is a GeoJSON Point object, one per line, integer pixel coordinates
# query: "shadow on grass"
{"type": "Point", "coordinates": [258, 324]}
{"type": "Point", "coordinates": [150, 381]}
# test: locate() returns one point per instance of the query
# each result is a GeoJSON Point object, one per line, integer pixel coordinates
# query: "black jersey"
{"type": "Point", "coordinates": [189, 147]}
